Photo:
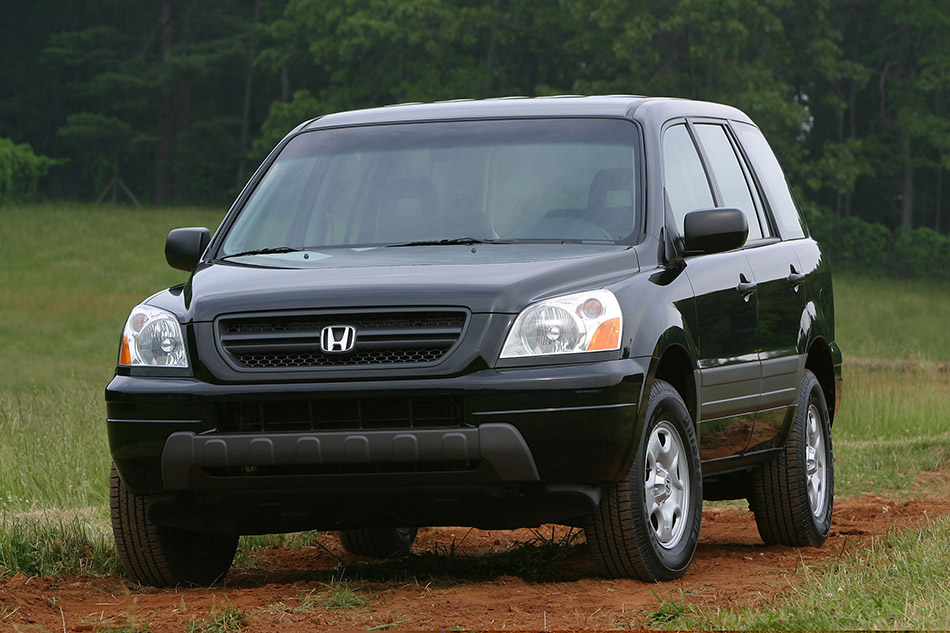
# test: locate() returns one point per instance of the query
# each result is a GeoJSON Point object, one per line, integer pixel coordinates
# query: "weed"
{"type": "Point", "coordinates": [227, 620]}
{"type": "Point", "coordinates": [669, 610]}
{"type": "Point", "coordinates": [55, 544]}
{"type": "Point", "coordinates": [336, 596]}
{"type": "Point", "coordinates": [7, 611]}
{"type": "Point", "coordinates": [340, 596]}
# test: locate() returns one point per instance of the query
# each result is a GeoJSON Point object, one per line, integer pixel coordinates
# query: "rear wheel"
{"type": "Point", "coordinates": [647, 526]}
{"type": "Point", "coordinates": [164, 556]}
{"type": "Point", "coordinates": [793, 495]}
{"type": "Point", "coordinates": [378, 542]}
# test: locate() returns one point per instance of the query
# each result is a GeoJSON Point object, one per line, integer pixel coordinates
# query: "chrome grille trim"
{"type": "Point", "coordinates": [390, 338]}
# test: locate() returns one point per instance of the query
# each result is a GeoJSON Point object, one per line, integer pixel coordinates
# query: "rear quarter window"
{"type": "Point", "coordinates": [772, 178]}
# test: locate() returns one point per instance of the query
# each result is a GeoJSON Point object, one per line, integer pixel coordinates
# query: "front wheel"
{"type": "Point", "coordinates": [164, 556]}
{"type": "Point", "coordinates": [793, 495]}
{"type": "Point", "coordinates": [647, 526]}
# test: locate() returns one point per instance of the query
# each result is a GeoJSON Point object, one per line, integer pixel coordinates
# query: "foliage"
{"type": "Point", "coordinates": [20, 171]}
{"type": "Point", "coordinates": [855, 245]}
{"type": "Point", "coordinates": [852, 95]}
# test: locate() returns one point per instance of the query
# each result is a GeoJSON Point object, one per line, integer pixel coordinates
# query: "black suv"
{"type": "Point", "coordinates": [594, 311]}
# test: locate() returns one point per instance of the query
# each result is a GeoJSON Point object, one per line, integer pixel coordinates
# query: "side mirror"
{"type": "Point", "coordinates": [184, 247]}
{"type": "Point", "coordinates": [714, 230]}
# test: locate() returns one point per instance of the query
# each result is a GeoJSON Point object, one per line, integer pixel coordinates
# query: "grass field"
{"type": "Point", "coordinates": [71, 273]}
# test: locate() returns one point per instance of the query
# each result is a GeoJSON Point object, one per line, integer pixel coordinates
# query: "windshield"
{"type": "Point", "coordinates": [444, 183]}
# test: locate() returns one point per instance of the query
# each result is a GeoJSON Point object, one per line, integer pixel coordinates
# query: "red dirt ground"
{"type": "Point", "coordinates": [731, 568]}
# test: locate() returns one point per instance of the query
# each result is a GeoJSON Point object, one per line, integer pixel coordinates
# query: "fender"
{"type": "Point", "coordinates": [659, 310]}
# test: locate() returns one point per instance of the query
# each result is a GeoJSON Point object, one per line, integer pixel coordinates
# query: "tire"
{"type": "Point", "coordinates": [164, 556]}
{"type": "Point", "coordinates": [626, 536]}
{"type": "Point", "coordinates": [793, 495]}
{"type": "Point", "coordinates": [378, 542]}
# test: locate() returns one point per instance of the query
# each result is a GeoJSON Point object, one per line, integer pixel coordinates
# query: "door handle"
{"type": "Point", "coordinates": [796, 278]}
{"type": "Point", "coordinates": [745, 287]}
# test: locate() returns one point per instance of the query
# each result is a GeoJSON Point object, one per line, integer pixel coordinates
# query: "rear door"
{"type": "Point", "coordinates": [780, 279]}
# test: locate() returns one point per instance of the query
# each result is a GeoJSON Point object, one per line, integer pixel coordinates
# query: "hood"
{"type": "Point", "coordinates": [500, 278]}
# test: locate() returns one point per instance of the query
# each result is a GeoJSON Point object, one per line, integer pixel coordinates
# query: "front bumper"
{"type": "Point", "coordinates": [225, 461]}
{"type": "Point", "coordinates": [534, 428]}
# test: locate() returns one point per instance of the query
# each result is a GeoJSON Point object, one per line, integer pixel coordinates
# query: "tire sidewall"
{"type": "Point", "coordinates": [666, 405]}
{"type": "Point", "coordinates": [813, 395]}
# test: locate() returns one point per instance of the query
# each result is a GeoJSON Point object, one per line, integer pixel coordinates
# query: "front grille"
{"type": "Point", "coordinates": [327, 414]}
{"type": "Point", "coordinates": [293, 341]}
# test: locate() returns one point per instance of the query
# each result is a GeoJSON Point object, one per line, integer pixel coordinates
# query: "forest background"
{"type": "Point", "coordinates": [180, 100]}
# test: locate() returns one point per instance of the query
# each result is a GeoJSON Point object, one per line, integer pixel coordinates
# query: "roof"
{"type": "Point", "coordinates": [560, 106]}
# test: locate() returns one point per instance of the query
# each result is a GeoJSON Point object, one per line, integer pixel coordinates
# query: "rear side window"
{"type": "Point", "coordinates": [683, 174]}
{"type": "Point", "coordinates": [728, 172]}
{"type": "Point", "coordinates": [772, 178]}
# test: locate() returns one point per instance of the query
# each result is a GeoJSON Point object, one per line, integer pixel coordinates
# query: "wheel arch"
{"type": "Point", "coordinates": [675, 366]}
{"type": "Point", "coordinates": [671, 360]}
{"type": "Point", "coordinates": [821, 363]}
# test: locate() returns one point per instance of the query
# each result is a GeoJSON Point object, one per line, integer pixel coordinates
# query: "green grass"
{"type": "Point", "coordinates": [229, 619]}
{"type": "Point", "coordinates": [54, 452]}
{"type": "Point", "coordinates": [901, 582]}
{"type": "Point", "coordinates": [336, 595]}
{"type": "Point", "coordinates": [892, 319]}
{"type": "Point", "coordinates": [892, 426]}
{"type": "Point", "coordinates": [341, 596]}
{"type": "Point", "coordinates": [73, 272]}
{"type": "Point", "coordinates": [56, 543]}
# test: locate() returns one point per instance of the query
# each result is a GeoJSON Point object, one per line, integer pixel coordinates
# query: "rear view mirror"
{"type": "Point", "coordinates": [714, 230]}
{"type": "Point", "coordinates": [184, 247]}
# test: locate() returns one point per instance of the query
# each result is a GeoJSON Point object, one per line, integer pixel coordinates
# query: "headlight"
{"type": "Point", "coordinates": [582, 322]}
{"type": "Point", "coordinates": [152, 337]}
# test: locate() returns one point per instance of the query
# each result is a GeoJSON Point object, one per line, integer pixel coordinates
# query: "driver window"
{"type": "Point", "coordinates": [684, 177]}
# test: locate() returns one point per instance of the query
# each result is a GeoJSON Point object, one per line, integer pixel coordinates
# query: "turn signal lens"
{"type": "Point", "coordinates": [607, 336]}
{"type": "Point", "coordinates": [125, 356]}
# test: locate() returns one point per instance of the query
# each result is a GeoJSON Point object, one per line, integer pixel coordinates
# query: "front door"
{"type": "Point", "coordinates": [723, 283]}
{"type": "Point", "coordinates": [729, 367]}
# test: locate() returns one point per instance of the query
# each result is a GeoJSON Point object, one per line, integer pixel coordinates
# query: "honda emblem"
{"type": "Point", "coordinates": [338, 339]}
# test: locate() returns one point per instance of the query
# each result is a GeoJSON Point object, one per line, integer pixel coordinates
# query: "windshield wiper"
{"type": "Point", "coordinates": [265, 251]}
{"type": "Point", "coordinates": [455, 241]}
